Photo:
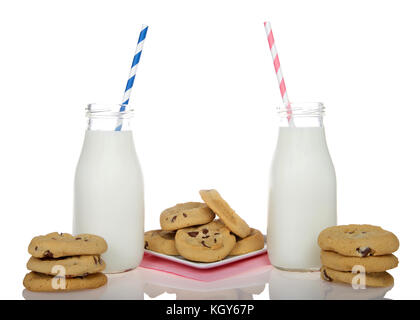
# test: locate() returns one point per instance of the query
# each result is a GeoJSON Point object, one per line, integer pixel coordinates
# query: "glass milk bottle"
{"type": "Point", "coordinates": [302, 196]}
{"type": "Point", "coordinates": [108, 188]}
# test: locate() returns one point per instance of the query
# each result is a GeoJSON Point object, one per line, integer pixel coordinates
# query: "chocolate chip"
{"type": "Point", "coordinates": [36, 248]}
{"type": "Point", "coordinates": [193, 234]}
{"type": "Point", "coordinates": [216, 233]}
{"type": "Point", "coordinates": [100, 260]}
{"type": "Point", "coordinates": [205, 237]}
{"type": "Point", "coordinates": [78, 238]}
{"type": "Point", "coordinates": [173, 219]}
{"type": "Point", "coordinates": [146, 245]}
{"type": "Point", "coordinates": [184, 214]}
{"type": "Point", "coordinates": [215, 240]}
{"type": "Point", "coordinates": [350, 232]}
{"type": "Point", "coordinates": [94, 259]}
{"type": "Point", "coordinates": [77, 277]}
{"type": "Point", "coordinates": [365, 251]}
{"type": "Point", "coordinates": [86, 240]}
{"type": "Point", "coordinates": [326, 276]}
{"type": "Point", "coordinates": [204, 244]}
{"type": "Point", "coordinates": [205, 231]}
{"type": "Point", "coordinates": [48, 254]}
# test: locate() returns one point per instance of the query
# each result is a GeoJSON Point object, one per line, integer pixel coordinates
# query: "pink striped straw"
{"type": "Point", "coordinates": [279, 74]}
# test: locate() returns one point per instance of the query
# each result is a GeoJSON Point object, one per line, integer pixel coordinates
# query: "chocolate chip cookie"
{"type": "Point", "coordinates": [222, 209]}
{"type": "Point", "coordinates": [161, 241]}
{"type": "Point", "coordinates": [185, 215]}
{"type": "Point", "coordinates": [56, 245]}
{"type": "Point", "coordinates": [373, 279]}
{"type": "Point", "coordinates": [74, 266]}
{"type": "Point", "coordinates": [358, 240]}
{"type": "Point", "coordinates": [338, 262]}
{"type": "Point", "coordinates": [44, 283]}
{"type": "Point", "coordinates": [253, 242]}
{"type": "Point", "coordinates": [208, 243]}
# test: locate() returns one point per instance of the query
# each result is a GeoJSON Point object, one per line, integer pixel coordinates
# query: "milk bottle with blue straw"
{"type": "Point", "coordinates": [108, 189]}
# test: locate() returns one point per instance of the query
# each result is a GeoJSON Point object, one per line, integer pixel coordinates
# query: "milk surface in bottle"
{"type": "Point", "coordinates": [108, 188]}
{"type": "Point", "coordinates": [302, 194]}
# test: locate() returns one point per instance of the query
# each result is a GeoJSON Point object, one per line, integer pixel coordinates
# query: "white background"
{"type": "Point", "coordinates": [205, 98]}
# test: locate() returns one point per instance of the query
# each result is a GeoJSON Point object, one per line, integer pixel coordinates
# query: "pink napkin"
{"type": "Point", "coordinates": [225, 271]}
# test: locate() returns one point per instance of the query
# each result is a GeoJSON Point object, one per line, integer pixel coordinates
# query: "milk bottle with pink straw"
{"type": "Point", "coordinates": [108, 188]}
{"type": "Point", "coordinates": [302, 193]}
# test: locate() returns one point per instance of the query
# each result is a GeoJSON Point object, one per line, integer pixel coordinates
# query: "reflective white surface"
{"type": "Point", "coordinates": [264, 283]}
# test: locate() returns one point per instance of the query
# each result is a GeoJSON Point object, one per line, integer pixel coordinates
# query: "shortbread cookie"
{"type": "Point", "coordinates": [358, 240]}
{"type": "Point", "coordinates": [208, 243]}
{"type": "Point", "coordinates": [338, 262]}
{"type": "Point", "coordinates": [74, 266]}
{"type": "Point", "coordinates": [185, 215]}
{"type": "Point", "coordinates": [56, 245]}
{"type": "Point", "coordinates": [161, 241]}
{"type": "Point", "coordinates": [253, 242]}
{"type": "Point", "coordinates": [43, 283]}
{"type": "Point", "coordinates": [229, 217]}
{"type": "Point", "coordinates": [373, 279]}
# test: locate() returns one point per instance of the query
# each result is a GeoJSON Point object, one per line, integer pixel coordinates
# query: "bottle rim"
{"type": "Point", "coordinates": [302, 109]}
{"type": "Point", "coordinates": [103, 110]}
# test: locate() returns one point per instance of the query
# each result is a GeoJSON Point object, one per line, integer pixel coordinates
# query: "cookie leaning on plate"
{"type": "Point", "coordinates": [358, 240]}
{"type": "Point", "coordinates": [44, 283]}
{"type": "Point", "coordinates": [228, 216]}
{"type": "Point", "coordinates": [56, 245]}
{"type": "Point", "coordinates": [373, 279]}
{"type": "Point", "coordinates": [185, 215]}
{"type": "Point", "coordinates": [338, 262]}
{"type": "Point", "coordinates": [207, 243]}
{"type": "Point", "coordinates": [253, 242]}
{"type": "Point", "coordinates": [74, 266]}
{"type": "Point", "coordinates": [161, 241]}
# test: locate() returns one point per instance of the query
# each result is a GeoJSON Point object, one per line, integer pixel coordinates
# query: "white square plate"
{"type": "Point", "coordinates": [208, 265]}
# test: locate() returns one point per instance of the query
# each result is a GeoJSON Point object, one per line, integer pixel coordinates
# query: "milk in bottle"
{"type": "Point", "coordinates": [302, 195]}
{"type": "Point", "coordinates": [108, 188]}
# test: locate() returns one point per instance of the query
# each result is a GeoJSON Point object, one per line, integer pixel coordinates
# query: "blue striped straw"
{"type": "Point", "coordinates": [133, 71]}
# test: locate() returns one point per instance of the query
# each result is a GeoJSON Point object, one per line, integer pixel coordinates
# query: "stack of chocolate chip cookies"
{"type": "Point", "coordinates": [352, 249]}
{"type": "Point", "coordinates": [189, 230]}
{"type": "Point", "coordinates": [62, 262]}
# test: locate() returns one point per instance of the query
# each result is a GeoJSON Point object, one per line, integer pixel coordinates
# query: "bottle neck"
{"type": "Point", "coordinates": [102, 117]}
{"type": "Point", "coordinates": [302, 115]}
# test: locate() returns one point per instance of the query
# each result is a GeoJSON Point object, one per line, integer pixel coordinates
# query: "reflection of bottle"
{"type": "Point", "coordinates": [108, 189]}
{"type": "Point", "coordinates": [309, 286]}
{"type": "Point", "coordinates": [295, 285]}
{"type": "Point", "coordinates": [302, 197]}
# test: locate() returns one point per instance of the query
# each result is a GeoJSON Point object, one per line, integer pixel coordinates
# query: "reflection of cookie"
{"type": "Point", "coordinates": [185, 215]}
{"type": "Point", "coordinates": [253, 242]}
{"type": "Point", "coordinates": [338, 262]}
{"type": "Point", "coordinates": [43, 283]}
{"type": "Point", "coordinates": [56, 245]}
{"type": "Point", "coordinates": [225, 213]}
{"type": "Point", "coordinates": [372, 279]}
{"type": "Point", "coordinates": [160, 241]}
{"type": "Point", "coordinates": [207, 243]}
{"type": "Point", "coordinates": [358, 240]}
{"type": "Point", "coordinates": [74, 266]}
